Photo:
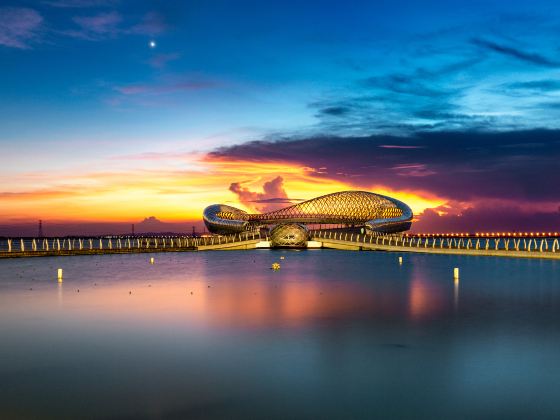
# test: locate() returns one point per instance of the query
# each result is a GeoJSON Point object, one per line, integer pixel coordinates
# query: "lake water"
{"type": "Point", "coordinates": [332, 334]}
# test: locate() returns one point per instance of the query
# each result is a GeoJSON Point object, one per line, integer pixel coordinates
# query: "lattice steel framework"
{"type": "Point", "coordinates": [374, 211]}
{"type": "Point", "coordinates": [289, 235]}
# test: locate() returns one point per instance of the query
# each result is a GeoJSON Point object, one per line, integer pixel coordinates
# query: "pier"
{"type": "Point", "coordinates": [517, 247]}
{"type": "Point", "coordinates": [46, 247]}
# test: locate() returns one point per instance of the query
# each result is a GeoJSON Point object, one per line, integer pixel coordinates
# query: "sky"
{"type": "Point", "coordinates": [117, 111]}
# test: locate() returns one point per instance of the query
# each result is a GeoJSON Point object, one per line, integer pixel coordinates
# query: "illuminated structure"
{"type": "Point", "coordinates": [290, 235]}
{"type": "Point", "coordinates": [374, 212]}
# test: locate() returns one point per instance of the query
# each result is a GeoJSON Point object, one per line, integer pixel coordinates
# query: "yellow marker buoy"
{"type": "Point", "coordinates": [275, 266]}
{"type": "Point", "coordinates": [400, 260]}
{"type": "Point", "coordinates": [60, 274]}
{"type": "Point", "coordinates": [152, 260]}
{"type": "Point", "coordinates": [456, 273]}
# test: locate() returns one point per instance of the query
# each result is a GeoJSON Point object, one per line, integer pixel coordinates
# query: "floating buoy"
{"type": "Point", "coordinates": [275, 266]}
{"type": "Point", "coordinates": [60, 274]}
{"type": "Point", "coordinates": [152, 260]}
{"type": "Point", "coordinates": [456, 273]}
{"type": "Point", "coordinates": [400, 260]}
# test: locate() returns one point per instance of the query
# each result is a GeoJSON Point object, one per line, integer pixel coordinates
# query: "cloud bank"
{"type": "Point", "coordinates": [492, 174]}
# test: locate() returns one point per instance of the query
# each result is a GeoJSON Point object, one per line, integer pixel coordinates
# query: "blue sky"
{"type": "Point", "coordinates": [80, 84]}
{"type": "Point", "coordinates": [253, 68]}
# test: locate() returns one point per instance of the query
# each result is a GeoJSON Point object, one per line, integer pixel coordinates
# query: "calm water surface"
{"type": "Point", "coordinates": [333, 334]}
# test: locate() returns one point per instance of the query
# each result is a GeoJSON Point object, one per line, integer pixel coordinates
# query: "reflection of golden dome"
{"type": "Point", "coordinates": [289, 235]}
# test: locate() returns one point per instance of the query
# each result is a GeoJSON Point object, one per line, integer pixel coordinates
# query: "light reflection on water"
{"type": "Point", "coordinates": [332, 334]}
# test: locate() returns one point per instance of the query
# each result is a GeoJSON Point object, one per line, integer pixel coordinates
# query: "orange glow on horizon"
{"type": "Point", "coordinates": [171, 195]}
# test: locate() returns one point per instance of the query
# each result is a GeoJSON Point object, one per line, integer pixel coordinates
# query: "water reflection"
{"type": "Point", "coordinates": [60, 293]}
{"type": "Point", "coordinates": [331, 334]}
{"type": "Point", "coordinates": [253, 303]}
{"type": "Point", "coordinates": [252, 300]}
{"type": "Point", "coordinates": [286, 304]}
{"type": "Point", "coordinates": [255, 299]}
{"type": "Point", "coordinates": [426, 298]}
{"type": "Point", "coordinates": [455, 294]}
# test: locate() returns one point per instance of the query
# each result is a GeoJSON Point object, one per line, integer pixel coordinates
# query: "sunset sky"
{"type": "Point", "coordinates": [112, 111]}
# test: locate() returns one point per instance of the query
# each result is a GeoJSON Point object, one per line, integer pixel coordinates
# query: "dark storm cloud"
{"type": "Point", "coordinates": [519, 54]}
{"type": "Point", "coordinates": [493, 218]}
{"type": "Point", "coordinates": [461, 166]}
